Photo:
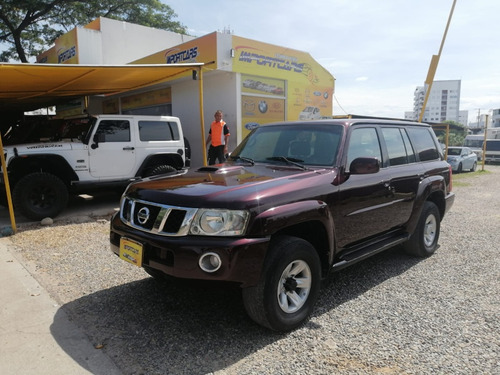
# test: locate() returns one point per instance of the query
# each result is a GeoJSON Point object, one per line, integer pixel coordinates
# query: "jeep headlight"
{"type": "Point", "coordinates": [218, 222]}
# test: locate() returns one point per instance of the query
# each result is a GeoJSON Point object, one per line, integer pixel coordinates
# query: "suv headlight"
{"type": "Point", "coordinates": [217, 222]}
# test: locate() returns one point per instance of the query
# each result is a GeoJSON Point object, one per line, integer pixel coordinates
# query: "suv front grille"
{"type": "Point", "coordinates": [156, 218]}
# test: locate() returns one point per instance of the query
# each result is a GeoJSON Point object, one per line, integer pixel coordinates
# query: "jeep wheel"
{"type": "Point", "coordinates": [289, 285]}
{"type": "Point", "coordinates": [40, 195]}
{"type": "Point", "coordinates": [160, 169]}
{"type": "Point", "coordinates": [423, 241]}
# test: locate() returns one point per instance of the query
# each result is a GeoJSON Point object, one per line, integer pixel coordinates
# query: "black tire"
{"type": "Point", "coordinates": [424, 241]}
{"type": "Point", "coordinates": [459, 169]}
{"type": "Point", "coordinates": [160, 169]}
{"type": "Point", "coordinates": [278, 302]}
{"type": "Point", "coordinates": [474, 166]}
{"type": "Point", "coordinates": [40, 195]}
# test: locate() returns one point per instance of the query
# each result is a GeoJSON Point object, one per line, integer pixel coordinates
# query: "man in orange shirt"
{"type": "Point", "coordinates": [218, 137]}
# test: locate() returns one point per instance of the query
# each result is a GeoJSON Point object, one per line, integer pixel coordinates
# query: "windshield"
{"type": "Point", "coordinates": [307, 144]}
{"type": "Point", "coordinates": [454, 151]}
{"type": "Point", "coordinates": [475, 143]}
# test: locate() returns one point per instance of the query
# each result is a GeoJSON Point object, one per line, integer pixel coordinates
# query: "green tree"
{"type": "Point", "coordinates": [28, 27]}
{"type": "Point", "coordinates": [456, 136]}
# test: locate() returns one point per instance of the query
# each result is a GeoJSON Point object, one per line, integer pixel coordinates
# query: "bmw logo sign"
{"type": "Point", "coordinates": [262, 106]}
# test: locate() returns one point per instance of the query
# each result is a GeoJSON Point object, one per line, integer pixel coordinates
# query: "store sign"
{"type": "Point", "coordinates": [176, 56]}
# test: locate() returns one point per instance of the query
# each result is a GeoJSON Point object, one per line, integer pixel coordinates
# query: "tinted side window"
{"type": "Point", "coordinates": [158, 131]}
{"type": "Point", "coordinates": [424, 144]}
{"type": "Point", "coordinates": [114, 130]}
{"type": "Point", "coordinates": [395, 146]}
{"type": "Point", "coordinates": [409, 149]}
{"type": "Point", "coordinates": [363, 143]}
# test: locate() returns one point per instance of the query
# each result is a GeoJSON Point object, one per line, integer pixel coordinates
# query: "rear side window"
{"type": "Point", "coordinates": [423, 142]}
{"type": "Point", "coordinates": [158, 131]}
{"type": "Point", "coordinates": [398, 146]}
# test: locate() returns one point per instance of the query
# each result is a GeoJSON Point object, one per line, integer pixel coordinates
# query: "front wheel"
{"type": "Point", "coordinates": [289, 285]}
{"type": "Point", "coordinates": [40, 195]}
{"type": "Point", "coordinates": [423, 242]}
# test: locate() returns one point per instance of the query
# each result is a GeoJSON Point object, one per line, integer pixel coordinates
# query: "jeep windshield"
{"type": "Point", "coordinates": [292, 144]}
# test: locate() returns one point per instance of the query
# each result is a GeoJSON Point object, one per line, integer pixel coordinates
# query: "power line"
{"type": "Point", "coordinates": [335, 97]}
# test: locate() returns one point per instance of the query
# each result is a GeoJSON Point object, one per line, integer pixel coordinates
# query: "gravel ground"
{"type": "Point", "coordinates": [391, 314]}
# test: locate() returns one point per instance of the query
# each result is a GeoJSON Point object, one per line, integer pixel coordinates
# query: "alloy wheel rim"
{"type": "Point", "coordinates": [294, 286]}
{"type": "Point", "coordinates": [430, 230]}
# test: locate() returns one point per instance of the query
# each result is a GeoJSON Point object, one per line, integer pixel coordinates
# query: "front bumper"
{"type": "Point", "coordinates": [242, 258]}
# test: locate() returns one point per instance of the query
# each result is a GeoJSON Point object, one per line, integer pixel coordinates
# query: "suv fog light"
{"type": "Point", "coordinates": [210, 262]}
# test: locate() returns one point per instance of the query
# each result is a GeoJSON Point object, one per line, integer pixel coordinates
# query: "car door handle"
{"type": "Point", "coordinates": [129, 148]}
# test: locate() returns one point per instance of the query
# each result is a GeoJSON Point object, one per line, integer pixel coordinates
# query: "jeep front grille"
{"type": "Point", "coordinates": [156, 218]}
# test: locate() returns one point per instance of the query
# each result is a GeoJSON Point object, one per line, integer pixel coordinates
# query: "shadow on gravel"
{"type": "Point", "coordinates": [151, 327]}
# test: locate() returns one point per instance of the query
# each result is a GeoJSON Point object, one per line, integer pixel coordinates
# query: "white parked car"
{"type": "Point", "coordinates": [461, 158]}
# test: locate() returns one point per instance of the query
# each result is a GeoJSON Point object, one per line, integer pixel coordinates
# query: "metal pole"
{"type": "Point", "coordinates": [7, 188]}
{"type": "Point", "coordinates": [202, 118]}
{"type": "Point", "coordinates": [434, 64]}
{"type": "Point", "coordinates": [485, 139]}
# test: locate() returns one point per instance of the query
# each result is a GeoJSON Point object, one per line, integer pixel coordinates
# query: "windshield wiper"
{"type": "Point", "coordinates": [248, 160]}
{"type": "Point", "coordinates": [291, 161]}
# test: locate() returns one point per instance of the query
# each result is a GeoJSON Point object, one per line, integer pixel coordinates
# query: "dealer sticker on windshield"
{"type": "Point", "coordinates": [131, 251]}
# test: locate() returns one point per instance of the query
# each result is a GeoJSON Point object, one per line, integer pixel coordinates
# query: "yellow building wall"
{"type": "Point", "coordinates": [297, 82]}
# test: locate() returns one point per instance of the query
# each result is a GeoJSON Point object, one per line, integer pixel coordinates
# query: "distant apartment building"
{"type": "Point", "coordinates": [443, 103]}
{"type": "Point", "coordinates": [495, 118]}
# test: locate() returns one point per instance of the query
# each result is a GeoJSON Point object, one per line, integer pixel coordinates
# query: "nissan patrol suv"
{"type": "Point", "coordinates": [294, 201]}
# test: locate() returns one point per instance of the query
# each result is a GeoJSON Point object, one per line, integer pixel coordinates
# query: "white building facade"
{"type": "Point", "coordinates": [443, 103]}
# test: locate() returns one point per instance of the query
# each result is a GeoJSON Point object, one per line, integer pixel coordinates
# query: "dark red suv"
{"type": "Point", "coordinates": [294, 201]}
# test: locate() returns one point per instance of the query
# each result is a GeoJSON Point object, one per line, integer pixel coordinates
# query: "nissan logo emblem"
{"type": "Point", "coordinates": [143, 215]}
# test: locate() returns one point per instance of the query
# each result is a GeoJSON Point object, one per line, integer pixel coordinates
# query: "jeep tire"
{"type": "Point", "coordinates": [39, 195]}
{"type": "Point", "coordinates": [289, 285]}
{"type": "Point", "coordinates": [424, 241]}
{"type": "Point", "coordinates": [161, 169]}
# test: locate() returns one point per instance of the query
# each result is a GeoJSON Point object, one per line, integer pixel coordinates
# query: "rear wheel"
{"type": "Point", "coordinates": [40, 195]}
{"type": "Point", "coordinates": [474, 166]}
{"type": "Point", "coordinates": [423, 242]}
{"type": "Point", "coordinates": [160, 169]}
{"type": "Point", "coordinates": [289, 285]}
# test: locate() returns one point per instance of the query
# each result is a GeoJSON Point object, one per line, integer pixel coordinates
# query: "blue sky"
{"type": "Point", "coordinates": [378, 50]}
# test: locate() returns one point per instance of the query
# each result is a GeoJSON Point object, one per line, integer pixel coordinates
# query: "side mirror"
{"type": "Point", "coordinates": [364, 166]}
{"type": "Point", "coordinates": [98, 138]}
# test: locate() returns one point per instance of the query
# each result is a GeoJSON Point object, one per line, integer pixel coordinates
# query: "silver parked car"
{"type": "Point", "coordinates": [462, 158]}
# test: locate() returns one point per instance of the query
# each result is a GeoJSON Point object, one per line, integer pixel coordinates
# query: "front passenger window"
{"type": "Point", "coordinates": [363, 143]}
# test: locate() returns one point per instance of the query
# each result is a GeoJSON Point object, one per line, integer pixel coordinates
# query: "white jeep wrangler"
{"type": "Point", "coordinates": [116, 150]}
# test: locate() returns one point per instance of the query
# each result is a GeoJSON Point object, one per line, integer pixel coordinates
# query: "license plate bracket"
{"type": "Point", "coordinates": [131, 251]}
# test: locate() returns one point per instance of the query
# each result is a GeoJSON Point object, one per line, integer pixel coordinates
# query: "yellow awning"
{"type": "Point", "coordinates": [31, 86]}
{"type": "Point", "coordinates": [25, 87]}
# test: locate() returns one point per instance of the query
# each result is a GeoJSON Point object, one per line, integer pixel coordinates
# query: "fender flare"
{"type": "Point", "coordinates": [278, 219]}
{"type": "Point", "coordinates": [433, 186]}
{"type": "Point", "coordinates": [57, 165]}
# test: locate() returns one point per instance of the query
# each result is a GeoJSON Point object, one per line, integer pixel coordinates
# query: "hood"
{"type": "Point", "coordinates": [231, 185]}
